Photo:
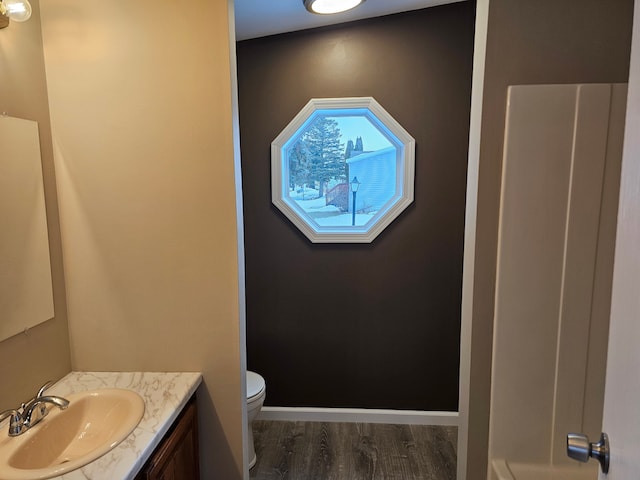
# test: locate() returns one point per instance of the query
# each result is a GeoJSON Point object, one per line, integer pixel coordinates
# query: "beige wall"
{"type": "Point", "coordinates": [27, 360]}
{"type": "Point", "coordinates": [542, 42]}
{"type": "Point", "coordinates": [140, 100]}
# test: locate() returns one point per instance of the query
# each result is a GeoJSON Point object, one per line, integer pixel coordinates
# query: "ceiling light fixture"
{"type": "Point", "coordinates": [16, 10]}
{"type": "Point", "coordinates": [327, 7]}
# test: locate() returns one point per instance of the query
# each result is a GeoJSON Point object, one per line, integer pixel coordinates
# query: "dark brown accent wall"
{"type": "Point", "coordinates": [352, 325]}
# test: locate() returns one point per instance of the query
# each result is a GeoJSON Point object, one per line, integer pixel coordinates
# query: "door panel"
{"type": "Point", "coordinates": [622, 395]}
{"type": "Point", "coordinates": [557, 228]}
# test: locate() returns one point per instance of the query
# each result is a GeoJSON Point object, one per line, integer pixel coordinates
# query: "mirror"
{"type": "Point", "coordinates": [26, 294]}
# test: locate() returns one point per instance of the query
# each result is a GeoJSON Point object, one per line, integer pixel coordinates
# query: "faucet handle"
{"type": "Point", "coordinates": [16, 421]}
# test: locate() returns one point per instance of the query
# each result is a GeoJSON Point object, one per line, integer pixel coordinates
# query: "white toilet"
{"type": "Point", "coordinates": [256, 391]}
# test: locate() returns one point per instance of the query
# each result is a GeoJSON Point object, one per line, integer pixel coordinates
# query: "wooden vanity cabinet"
{"type": "Point", "coordinates": [176, 458]}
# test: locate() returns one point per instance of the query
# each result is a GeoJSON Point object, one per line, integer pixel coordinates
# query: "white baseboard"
{"type": "Point", "coordinates": [358, 415]}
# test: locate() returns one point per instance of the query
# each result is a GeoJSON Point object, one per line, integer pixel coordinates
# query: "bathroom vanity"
{"type": "Point", "coordinates": [177, 455]}
{"type": "Point", "coordinates": [164, 442]}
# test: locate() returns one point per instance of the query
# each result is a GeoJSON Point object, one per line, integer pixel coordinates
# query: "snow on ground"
{"type": "Point", "coordinates": [304, 194]}
{"type": "Point", "coordinates": [323, 214]}
{"type": "Point", "coordinates": [317, 205]}
{"type": "Point", "coordinates": [343, 220]}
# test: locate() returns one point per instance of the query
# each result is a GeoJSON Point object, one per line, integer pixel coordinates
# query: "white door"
{"type": "Point", "coordinates": [622, 393]}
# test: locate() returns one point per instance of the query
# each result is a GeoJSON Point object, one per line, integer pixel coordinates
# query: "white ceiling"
{"type": "Point", "coordinates": [258, 18]}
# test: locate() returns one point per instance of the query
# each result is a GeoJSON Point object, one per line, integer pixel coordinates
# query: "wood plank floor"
{"type": "Point", "coordinates": [353, 451]}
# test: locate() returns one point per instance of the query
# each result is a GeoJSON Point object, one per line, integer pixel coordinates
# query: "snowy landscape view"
{"type": "Point", "coordinates": [335, 156]}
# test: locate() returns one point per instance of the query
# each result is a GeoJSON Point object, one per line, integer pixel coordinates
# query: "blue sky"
{"type": "Point", "coordinates": [359, 126]}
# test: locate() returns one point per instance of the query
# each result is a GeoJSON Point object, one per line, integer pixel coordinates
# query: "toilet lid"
{"type": "Point", "coordinates": [255, 384]}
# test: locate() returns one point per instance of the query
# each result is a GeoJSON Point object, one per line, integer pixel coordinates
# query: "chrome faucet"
{"type": "Point", "coordinates": [36, 410]}
{"type": "Point", "coordinates": [16, 422]}
{"type": "Point", "coordinates": [32, 412]}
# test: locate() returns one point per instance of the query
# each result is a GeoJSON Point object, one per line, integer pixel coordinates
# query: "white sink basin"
{"type": "Point", "coordinates": [93, 424]}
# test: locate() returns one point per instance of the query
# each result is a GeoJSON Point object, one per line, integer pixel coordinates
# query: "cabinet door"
{"type": "Point", "coordinates": [177, 456]}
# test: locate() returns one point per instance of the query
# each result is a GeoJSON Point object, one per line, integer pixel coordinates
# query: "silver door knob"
{"type": "Point", "coordinates": [579, 448]}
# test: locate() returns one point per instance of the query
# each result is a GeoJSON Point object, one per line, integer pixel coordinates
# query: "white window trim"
{"type": "Point", "coordinates": [350, 234]}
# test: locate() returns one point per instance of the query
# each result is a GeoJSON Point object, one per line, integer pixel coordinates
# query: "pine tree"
{"type": "Point", "coordinates": [348, 150]}
{"type": "Point", "coordinates": [324, 152]}
{"type": "Point", "coordinates": [359, 146]}
{"type": "Point", "coordinates": [298, 166]}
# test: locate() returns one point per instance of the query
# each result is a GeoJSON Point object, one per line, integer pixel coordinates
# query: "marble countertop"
{"type": "Point", "coordinates": [164, 394]}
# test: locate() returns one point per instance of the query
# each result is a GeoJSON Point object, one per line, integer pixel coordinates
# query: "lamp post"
{"type": "Point", "coordinates": [355, 184]}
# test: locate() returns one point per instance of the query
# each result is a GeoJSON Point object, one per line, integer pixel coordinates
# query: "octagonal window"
{"type": "Point", "coordinates": [342, 170]}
